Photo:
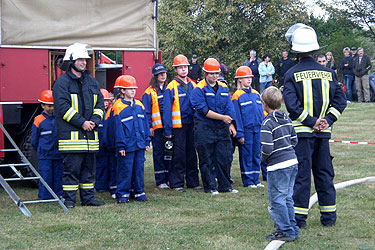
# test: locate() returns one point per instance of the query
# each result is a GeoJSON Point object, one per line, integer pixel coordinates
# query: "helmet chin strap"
{"type": "Point", "coordinates": [75, 68]}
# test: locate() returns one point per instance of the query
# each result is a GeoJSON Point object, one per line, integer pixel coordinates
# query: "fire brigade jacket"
{"type": "Point", "coordinates": [154, 106]}
{"type": "Point", "coordinates": [249, 111]}
{"type": "Point", "coordinates": [131, 129]}
{"type": "Point", "coordinates": [77, 100]}
{"type": "Point", "coordinates": [44, 137]}
{"type": "Point", "coordinates": [177, 107]}
{"type": "Point", "coordinates": [311, 91]}
{"type": "Point", "coordinates": [204, 98]}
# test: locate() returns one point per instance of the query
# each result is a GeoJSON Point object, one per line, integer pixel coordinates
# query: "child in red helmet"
{"type": "Point", "coordinates": [132, 139]}
{"type": "Point", "coordinates": [249, 117]}
{"type": "Point", "coordinates": [45, 141]}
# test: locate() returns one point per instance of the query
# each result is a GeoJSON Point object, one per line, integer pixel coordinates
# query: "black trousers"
{"type": "Point", "coordinates": [79, 173]}
{"type": "Point", "coordinates": [184, 162]}
{"type": "Point", "coordinates": [313, 155]}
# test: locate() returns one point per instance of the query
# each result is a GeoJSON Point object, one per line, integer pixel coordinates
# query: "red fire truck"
{"type": "Point", "coordinates": [34, 36]}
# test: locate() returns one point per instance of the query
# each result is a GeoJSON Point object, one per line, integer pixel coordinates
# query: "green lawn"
{"type": "Point", "coordinates": [195, 220]}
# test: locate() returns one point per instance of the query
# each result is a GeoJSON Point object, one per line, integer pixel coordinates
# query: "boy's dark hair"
{"type": "Point", "coordinates": [265, 56]}
{"type": "Point", "coordinates": [273, 97]}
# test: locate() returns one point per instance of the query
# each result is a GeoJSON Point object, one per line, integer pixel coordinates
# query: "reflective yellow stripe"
{"type": "Point", "coordinates": [303, 116]}
{"type": "Point", "coordinates": [325, 98]}
{"type": "Point", "coordinates": [74, 135]}
{"type": "Point", "coordinates": [335, 112]}
{"type": "Point", "coordinates": [98, 112]}
{"type": "Point", "coordinates": [95, 99]}
{"type": "Point", "coordinates": [96, 136]}
{"type": "Point", "coordinates": [69, 114]}
{"type": "Point", "coordinates": [86, 185]}
{"type": "Point", "coordinates": [79, 145]}
{"type": "Point", "coordinates": [300, 210]}
{"type": "Point", "coordinates": [70, 187]}
{"type": "Point", "coordinates": [308, 96]}
{"type": "Point", "coordinates": [327, 209]}
{"type": "Point", "coordinates": [74, 98]}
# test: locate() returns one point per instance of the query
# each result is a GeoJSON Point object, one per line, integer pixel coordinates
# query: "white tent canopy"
{"type": "Point", "coordinates": [121, 24]}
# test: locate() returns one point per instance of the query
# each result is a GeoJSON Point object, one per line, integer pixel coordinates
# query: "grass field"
{"type": "Point", "coordinates": [195, 220]}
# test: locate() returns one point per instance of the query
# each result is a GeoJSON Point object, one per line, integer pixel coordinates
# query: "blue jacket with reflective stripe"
{"type": "Point", "coordinates": [131, 129]}
{"type": "Point", "coordinates": [311, 91]}
{"type": "Point", "coordinates": [204, 98]}
{"type": "Point", "coordinates": [186, 109]}
{"type": "Point", "coordinates": [44, 137]}
{"type": "Point", "coordinates": [249, 111]}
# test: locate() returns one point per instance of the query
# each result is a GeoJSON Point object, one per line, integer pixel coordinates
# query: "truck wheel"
{"type": "Point", "coordinates": [30, 154]}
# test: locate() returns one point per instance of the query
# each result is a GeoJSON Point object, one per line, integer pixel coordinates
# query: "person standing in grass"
{"type": "Point", "coordinates": [178, 126]}
{"type": "Point", "coordinates": [249, 117]}
{"type": "Point", "coordinates": [44, 140]}
{"type": "Point", "coordinates": [153, 100]}
{"type": "Point", "coordinates": [278, 139]}
{"type": "Point", "coordinates": [132, 139]}
{"type": "Point", "coordinates": [314, 101]}
{"type": "Point", "coordinates": [213, 127]}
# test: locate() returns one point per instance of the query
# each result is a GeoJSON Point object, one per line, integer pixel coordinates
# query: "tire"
{"type": "Point", "coordinates": [30, 154]}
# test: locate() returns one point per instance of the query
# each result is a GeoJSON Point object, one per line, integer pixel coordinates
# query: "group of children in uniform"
{"type": "Point", "coordinates": [185, 118]}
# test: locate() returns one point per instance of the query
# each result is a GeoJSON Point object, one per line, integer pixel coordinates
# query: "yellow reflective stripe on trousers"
{"type": "Point", "coordinates": [327, 209]}
{"type": "Point", "coordinates": [69, 114]}
{"type": "Point", "coordinates": [308, 96]}
{"type": "Point", "coordinates": [70, 187]}
{"type": "Point", "coordinates": [86, 185]}
{"type": "Point", "coordinates": [300, 210]}
{"type": "Point", "coordinates": [325, 98]}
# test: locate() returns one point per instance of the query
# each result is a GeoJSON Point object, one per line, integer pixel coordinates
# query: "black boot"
{"type": "Point", "coordinates": [94, 203]}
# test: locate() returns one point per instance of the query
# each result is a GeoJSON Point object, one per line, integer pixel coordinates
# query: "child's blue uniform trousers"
{"type": "Point", "coordinates": [132, 135]}
{"type": "Point", "coordinates": [45, 141]}
{"type": "Point", "coordinates": [249, 117]}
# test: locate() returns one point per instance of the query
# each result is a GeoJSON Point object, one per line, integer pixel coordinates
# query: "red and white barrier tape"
{"type": "Point", "coordinates": [353, 142]}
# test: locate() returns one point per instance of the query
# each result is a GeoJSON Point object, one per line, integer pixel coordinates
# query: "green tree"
{"type": "Point", "coordinates": [226, 29]}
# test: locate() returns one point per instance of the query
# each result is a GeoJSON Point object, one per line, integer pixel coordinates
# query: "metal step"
{"type": "Point", "coordinates": [25, 162]}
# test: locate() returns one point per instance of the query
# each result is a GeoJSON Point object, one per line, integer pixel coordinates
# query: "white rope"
{"type": "Point", "coordinates": [276, 244]}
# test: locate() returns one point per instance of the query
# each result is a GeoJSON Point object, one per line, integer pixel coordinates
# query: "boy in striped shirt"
{"type": "Point", "coordinates": [278, 139]}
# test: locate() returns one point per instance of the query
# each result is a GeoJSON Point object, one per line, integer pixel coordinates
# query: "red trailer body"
{"type": "Point", "coordinates": [30, 49]}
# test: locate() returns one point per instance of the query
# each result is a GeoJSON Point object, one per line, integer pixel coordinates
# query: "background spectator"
{"type": "Point", "coordinates": [283, 66]}
{"type": "Point", "coordinates": [253, 62]}
{"type": "Point", "coordinates": [195, 71]}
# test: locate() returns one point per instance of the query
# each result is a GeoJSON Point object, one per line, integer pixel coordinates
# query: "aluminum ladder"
{"type": "Point", "coordinates": [25, 163]}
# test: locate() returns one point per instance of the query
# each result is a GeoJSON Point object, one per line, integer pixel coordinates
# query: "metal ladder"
{"type": "Point", "coordinates": [25, 162]}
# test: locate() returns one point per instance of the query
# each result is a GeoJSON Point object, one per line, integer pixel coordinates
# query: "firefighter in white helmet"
{"type": "Point", "coordinates": [314, 101]}
{"type": "Point", "coordinates": [79, 107]}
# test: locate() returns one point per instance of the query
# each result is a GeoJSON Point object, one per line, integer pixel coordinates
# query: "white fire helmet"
{"type": "Point", "coordinates": [76, 51]}
{"type": "Point", "coordinates": [302, 38]}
